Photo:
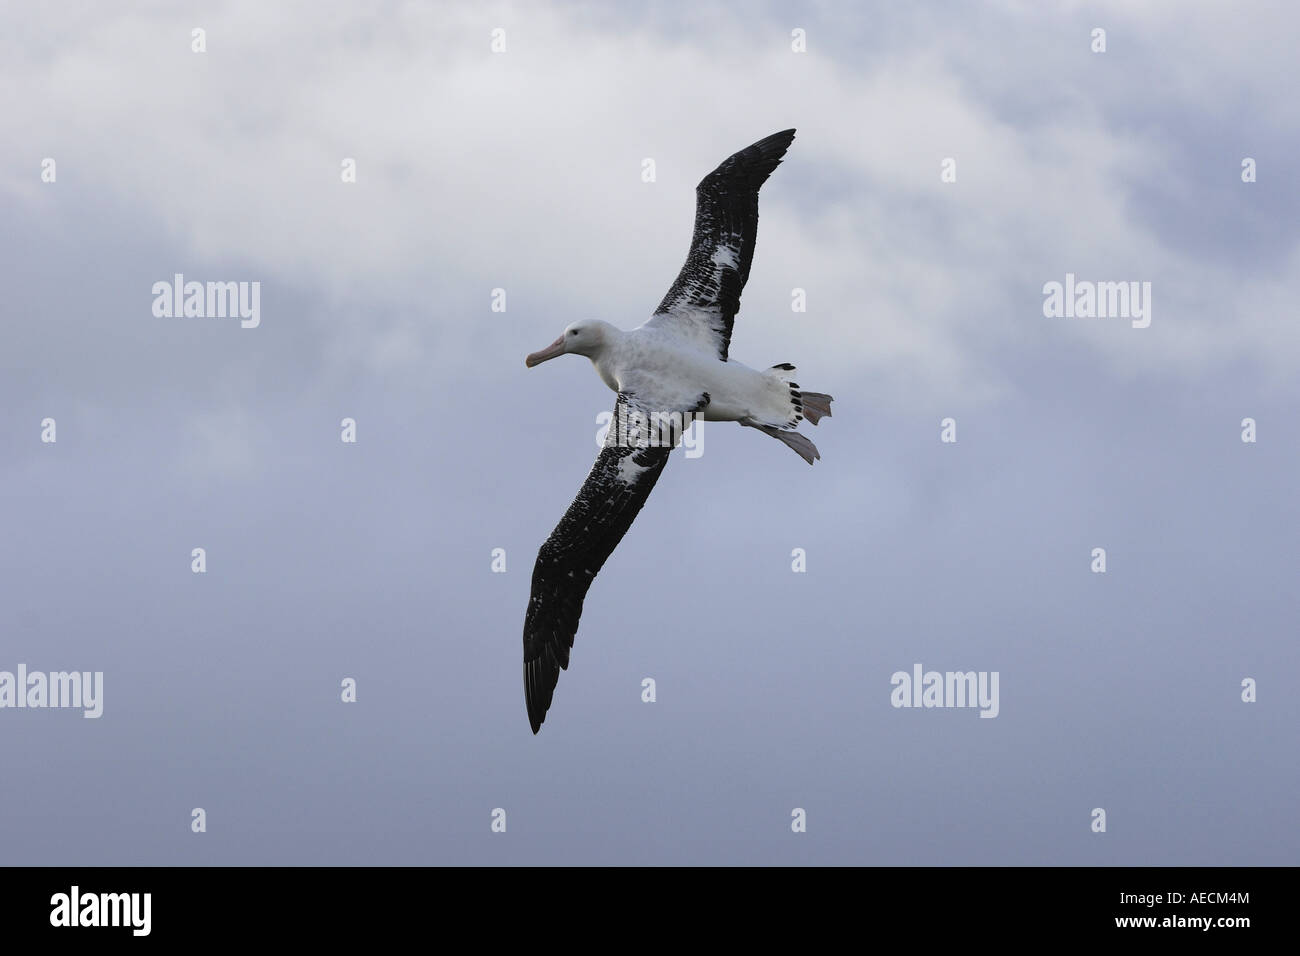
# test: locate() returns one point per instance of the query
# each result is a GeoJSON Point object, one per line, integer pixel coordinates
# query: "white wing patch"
{"type": "Point", "coordinates": [629, 472]}
{"type": "Point", "coordinates": [725, 256]}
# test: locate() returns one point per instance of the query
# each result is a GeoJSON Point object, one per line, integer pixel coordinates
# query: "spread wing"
{"type": "Point", "coordinates": [703, 302]}
{"type": "Point", "coordinates": [619, 483]}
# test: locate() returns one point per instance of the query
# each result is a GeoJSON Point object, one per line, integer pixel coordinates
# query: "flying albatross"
{"type": "Point", "coordinates": [667, 372]}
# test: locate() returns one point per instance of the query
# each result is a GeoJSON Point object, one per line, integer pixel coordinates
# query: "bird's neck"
{"type": "Point", "coordinates": [606, 358]}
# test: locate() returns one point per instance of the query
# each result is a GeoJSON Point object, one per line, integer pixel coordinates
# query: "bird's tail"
{"type": "Point", "coordinates": [788, 406]}
{"type": "Point", "coordinates": [813, 406]}
{"type": "Point", "coordinates": [816, 406]}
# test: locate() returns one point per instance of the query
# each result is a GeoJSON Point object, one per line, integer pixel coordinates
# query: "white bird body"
{"type": "Point", "coordinates": [667, 371]}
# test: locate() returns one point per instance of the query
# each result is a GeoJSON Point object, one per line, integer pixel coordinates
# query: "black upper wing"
{"type": "Point", "coordinates": [704, 300]}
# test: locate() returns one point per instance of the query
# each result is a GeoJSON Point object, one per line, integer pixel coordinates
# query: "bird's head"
{"type": "Point", "coordinates": [579, 338]}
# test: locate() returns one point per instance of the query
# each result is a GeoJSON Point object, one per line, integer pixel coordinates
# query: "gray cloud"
{"type": "Point", "coordinates": [522, 171]}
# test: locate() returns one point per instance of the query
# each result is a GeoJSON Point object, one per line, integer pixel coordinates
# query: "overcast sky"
{"type": "Point", "coordinates": [522, 170]}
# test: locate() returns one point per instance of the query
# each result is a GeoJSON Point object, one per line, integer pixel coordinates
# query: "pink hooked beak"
{"type": "Point", "coordinates": [550, 352]}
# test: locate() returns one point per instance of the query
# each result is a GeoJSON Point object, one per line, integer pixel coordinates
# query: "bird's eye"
{"type": "Point", "coordinates": [573, 331]}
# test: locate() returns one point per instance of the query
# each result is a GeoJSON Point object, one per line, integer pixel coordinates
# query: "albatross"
{"type": "Point", "coordinates": [667, 372]}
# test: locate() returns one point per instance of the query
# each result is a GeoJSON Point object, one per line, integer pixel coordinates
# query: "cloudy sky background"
{"type": "Point", "coordinates": [522, 171]}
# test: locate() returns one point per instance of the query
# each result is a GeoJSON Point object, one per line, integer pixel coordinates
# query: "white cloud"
{"type": "Point", "coordinates": [522, 170]}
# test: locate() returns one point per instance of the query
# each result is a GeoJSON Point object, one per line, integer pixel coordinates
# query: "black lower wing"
{"type": "Point", "coordinates": [586, 536]}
